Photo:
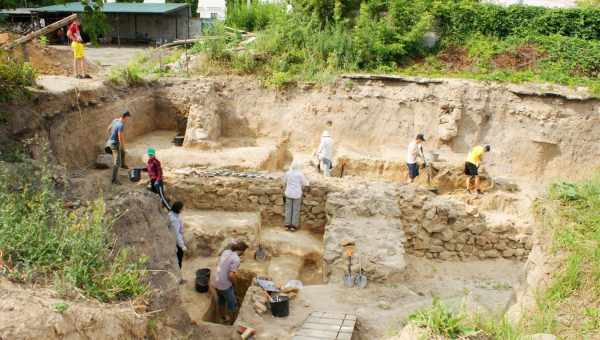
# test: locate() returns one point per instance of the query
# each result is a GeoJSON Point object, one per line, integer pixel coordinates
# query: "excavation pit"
{"type": "Point", "coordinates": [416, 244]}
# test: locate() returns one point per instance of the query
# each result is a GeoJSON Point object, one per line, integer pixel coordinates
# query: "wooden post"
{"type": "Point", "coordinates": [44, 30]}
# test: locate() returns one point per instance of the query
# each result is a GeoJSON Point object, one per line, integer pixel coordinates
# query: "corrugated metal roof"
{"type": "Point", "coordinates": [116, 7]}
{"type": "Point", "coordinates": [16, 11]}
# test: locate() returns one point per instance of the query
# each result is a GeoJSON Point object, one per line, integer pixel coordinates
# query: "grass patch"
{"type": "Point", "coordinates": [146, 67]}
{"type": "Point", "coordinates": [42, 241]}
{"type": "Point", "coordinates": [15, 77]}
{"type": "Point", "coordinates": [569, 305]}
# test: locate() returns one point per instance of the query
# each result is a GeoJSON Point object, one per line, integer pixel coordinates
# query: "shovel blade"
{"type": "Point", "coordinates": [361, 281]}
{"type": "Point", "coordinates": [348, 280]}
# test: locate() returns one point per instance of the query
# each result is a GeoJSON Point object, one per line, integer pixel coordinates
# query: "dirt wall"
{"type": "Point", "coordinates": [533, 131]}
{"type": "Point", "coordinates": [74, 124]}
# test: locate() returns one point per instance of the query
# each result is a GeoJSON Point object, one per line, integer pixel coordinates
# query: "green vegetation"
{"type": "Point", "coordinates": [440, 321]}
{"type": "Point", "coordinates": [320, 39]}
{"type": "Point", "coordinates": [60, 307]}
{"type": "Point", "coordinates": [146, 67]}
{"type": "Point", "coordinates": [42, 241]}
{"type": "Point", "coordinates": [569, 306]}
{"type": "Point", "coordinates": [15, 77]}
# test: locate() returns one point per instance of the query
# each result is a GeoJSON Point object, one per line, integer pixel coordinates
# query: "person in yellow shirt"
{"type": "Point", "coordinates": [472, 166]}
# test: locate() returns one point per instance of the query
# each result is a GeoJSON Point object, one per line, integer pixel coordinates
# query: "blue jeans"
{"type": "Point", "coordinates": [326, 167]}
{"type": "Point", "coordinates": [227, 297]}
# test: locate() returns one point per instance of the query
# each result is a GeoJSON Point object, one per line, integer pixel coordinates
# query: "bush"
{"type": "Point", "coordinates": [256, 17]}
{"type": "Point", "coordinates": [44, 241]}
{"type": "Point", "coordinates": [439, 320]}
{"type": "Point", "coordinates": [15, 77]}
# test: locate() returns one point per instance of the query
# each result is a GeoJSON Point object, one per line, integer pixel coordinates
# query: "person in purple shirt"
{"type": "Point", "coordinates": [229, 262]}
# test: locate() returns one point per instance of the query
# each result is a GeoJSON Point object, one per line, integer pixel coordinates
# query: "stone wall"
{"type": "Point", "coordinates": [435, 226]}
{"type": "Point", "coordinates": [248, 194]}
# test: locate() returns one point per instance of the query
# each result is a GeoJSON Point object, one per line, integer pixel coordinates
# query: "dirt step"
{"type": "Point", "coordinates": [208, 231]}
{"type": "Point", "coordinates": [284, 268]}
{"type": "Point", "coordinates": [302, 243]}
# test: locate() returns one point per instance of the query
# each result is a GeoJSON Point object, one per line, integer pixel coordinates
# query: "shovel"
{"type": "Point", "coordinates": [361, 278]}
{"type": "Point", "coordinates": [348, 279]}
{"type": "Point", "coordinates": [260, 255]}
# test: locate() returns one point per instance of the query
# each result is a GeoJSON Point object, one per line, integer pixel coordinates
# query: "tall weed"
{"type": "Point", "coordinates": [42, 240]}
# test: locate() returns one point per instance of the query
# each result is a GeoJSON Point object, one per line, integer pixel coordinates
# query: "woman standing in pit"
{"type": "Point", "coordinates": [293, 182]}
{"type": "Point", "coordinates": [176, 227]}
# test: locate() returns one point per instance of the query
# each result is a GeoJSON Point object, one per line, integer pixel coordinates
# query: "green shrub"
{"type": "Point", "coordinates": [45, 241]}
{"type": "Point", "coordinates": [256, 17]}
{"type": "Point", "coordinates": [15, 77]}
{"type": "Point", "coordinates": [439, 320]}
{"type": "Point", "coordinates": [129, 75]}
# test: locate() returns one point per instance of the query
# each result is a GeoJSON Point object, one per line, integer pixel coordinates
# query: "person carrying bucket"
{"type": "Point", "coordinates": [116, 145]}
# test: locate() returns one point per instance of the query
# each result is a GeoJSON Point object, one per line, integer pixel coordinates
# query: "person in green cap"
{"type": "Point", "coordinates": [155, 173]}
{"type": "Point", "coordinates": [154, 170]}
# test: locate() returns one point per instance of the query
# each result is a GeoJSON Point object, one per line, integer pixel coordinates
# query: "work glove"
{"type": "Point", "coordinates": [184, 248]}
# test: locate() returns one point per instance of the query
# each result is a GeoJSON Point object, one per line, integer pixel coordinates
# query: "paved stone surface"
{"type": "Point", "coordinates": [326, 326]}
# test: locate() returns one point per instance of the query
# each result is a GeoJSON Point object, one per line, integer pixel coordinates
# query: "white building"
{"type": "Point", "coordinates": [212, 9]}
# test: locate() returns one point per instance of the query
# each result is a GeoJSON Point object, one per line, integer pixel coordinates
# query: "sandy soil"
{"type": "Point", "coordinates": [234, 156]}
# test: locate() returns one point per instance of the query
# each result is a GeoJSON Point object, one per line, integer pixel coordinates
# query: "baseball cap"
{"type": "Point", "coordinates": [151, 152]}
{"type": "Point", "coordinates": [421, 137]}
{"type": "Point", "coordinates": [126, 114]}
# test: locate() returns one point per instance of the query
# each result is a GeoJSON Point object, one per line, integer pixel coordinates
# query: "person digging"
{"type": "Point", "coordinates": [116, 145]}
{"type": "Point", "coordinates": [224, 279]}
{"type": "Point", "coordinates": [472, 166]}
{"type": "Point", "coordinates": [415, 150]}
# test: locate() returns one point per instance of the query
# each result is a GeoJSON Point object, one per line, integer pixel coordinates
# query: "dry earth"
{"type": "Point", "coordinates": [239, 138]}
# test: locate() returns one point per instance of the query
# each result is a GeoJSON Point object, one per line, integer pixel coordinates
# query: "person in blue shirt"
{"type": "Point", "coordinates": [116, 142]}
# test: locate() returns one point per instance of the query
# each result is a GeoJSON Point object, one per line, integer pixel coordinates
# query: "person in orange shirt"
{"type": "Point", "coordinates": [472, 166]}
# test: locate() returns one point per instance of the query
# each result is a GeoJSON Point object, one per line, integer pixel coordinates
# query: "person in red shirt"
{"type": "Point", "coordinates": [74, 34]}
{"type": "Point", "coordinates": [154, 170]}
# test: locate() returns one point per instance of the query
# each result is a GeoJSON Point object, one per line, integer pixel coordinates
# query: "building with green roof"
{"type": "Point", "coordinates": [132, 22]}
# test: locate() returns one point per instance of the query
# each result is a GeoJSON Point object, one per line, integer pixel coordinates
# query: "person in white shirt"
{"type": "Point", "coordinates": [176, 227]}
{"type": "Point", "coordinates": [325, 153]}
{"type": "Point", "coordinates": [415, 150]}
{"type": "Point", "coordinates": [293, 181]}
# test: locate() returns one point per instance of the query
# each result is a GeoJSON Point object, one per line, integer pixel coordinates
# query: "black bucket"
{"type": "Point", "coordinates": [280, 306]}
{"type": "Point", "coordinates": [202, 280]}
{"type": "Point", "coordinates": [178, 140]}
{"type": "Point", "coordinates": [135, 175]}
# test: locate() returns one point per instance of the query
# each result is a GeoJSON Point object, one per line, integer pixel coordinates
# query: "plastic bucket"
{"type": "Point", "coordinates": [202, 280]}
{"type": "Point", "coordinates": [178, 141]}
{"type": "Point", "coordinates": [135, 175]}
{"type": "Point", "coordinates": [280, 306]}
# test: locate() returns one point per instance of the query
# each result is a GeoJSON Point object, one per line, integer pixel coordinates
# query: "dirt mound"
{"type": "Point", "coordinates": [47, 59]}
{"type": "Point", "coordinates": [42, 314]}
{"type": "Point", "coordinates": [456, 58]}
{"type": "Point", "coordinates": [523, 57]}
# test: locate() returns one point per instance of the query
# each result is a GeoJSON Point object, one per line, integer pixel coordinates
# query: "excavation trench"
{"type": "Point", "coordinates": [415, 241]}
